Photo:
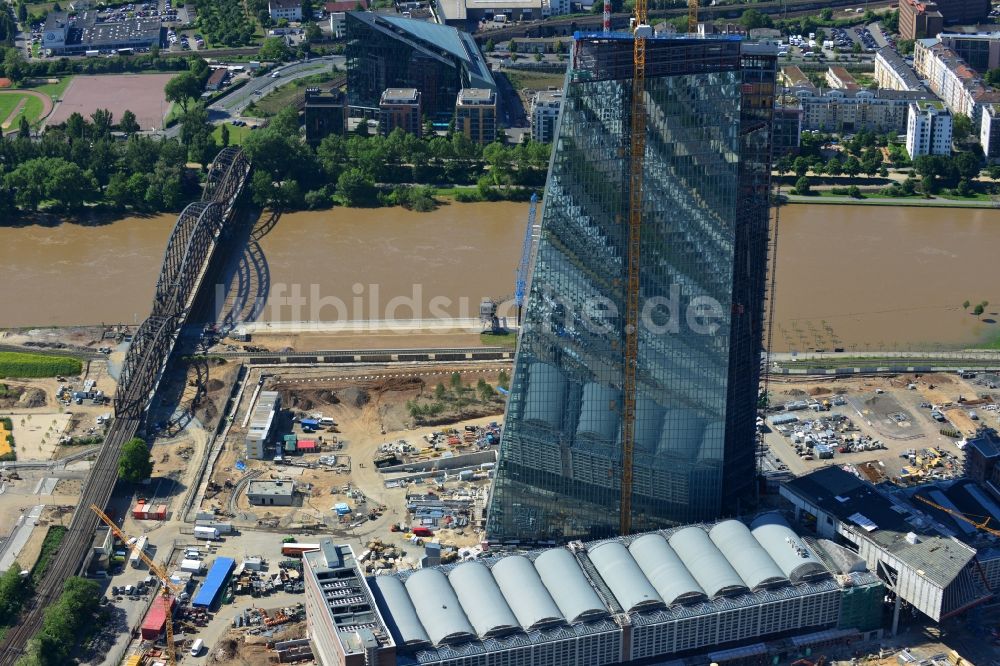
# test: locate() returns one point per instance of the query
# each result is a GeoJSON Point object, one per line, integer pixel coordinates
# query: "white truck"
{"type": "Point", "coordinates": [209, 533]}
{"type": "Point", "coordinates": [140, 546]}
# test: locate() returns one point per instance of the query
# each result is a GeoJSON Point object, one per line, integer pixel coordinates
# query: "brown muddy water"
{"type": "Point", "coordinates": [858, 277]}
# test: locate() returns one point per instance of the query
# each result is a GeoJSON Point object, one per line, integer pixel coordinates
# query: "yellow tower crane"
{"type": "Point", "coordinates": [981, 524]}
{"type": "Point", "coordinates": [637, 146]}
{"type": "Point", "coordinates": [692, 16]}
{"type": "Point", "coordinates": [166, 587]}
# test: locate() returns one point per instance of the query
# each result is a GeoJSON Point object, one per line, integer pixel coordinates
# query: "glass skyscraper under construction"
{"type": "Point", "coordinates": [706, 175]}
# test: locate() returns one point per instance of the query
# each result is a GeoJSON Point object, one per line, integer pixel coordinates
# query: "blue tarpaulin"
{"type": "Point", "coordinates": [310, 423]}
{"type": "Point", "coordinates": [240, 465]}
{"type": "Point", "coordinates": [214, 581]}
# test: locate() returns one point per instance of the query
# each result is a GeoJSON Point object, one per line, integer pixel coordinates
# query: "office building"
{"type": "Point", "coordinates": [399, 107]}
{"type": "Point", "coordinates": [787, 128]}
{"type": "Point", "coordinates": [545, 107]}
{"type": "Point", "coordinates": [919, 19]}
{"type": "Point", "coordinates": [75, 34]}
{"type": "Point", "coordinates": [958, 85]}
{"type": "Point", "coordinates": [385, 51]}
{"type": "Point", "coordinates": [980, 50]}
{"type": "Point", "coordinates": [703, 259]}
{"type": "Point", "coordinates": [290, 10]}
{"type": "Point", "coordinates": [263, 423]}
{"type": "Point", "coordinates": [271, 493]}
{"type": "Point", "coordinates": [982, 453]}
{"type": "Point", "coordinates": [721, 593]}
{"type": "Point", "coordinates": [939, 564]}
{"type": "Point", "coordinates": [893, 73]}
{"type": "Point", "coordinates": [325, 114]}
{"type": "Point", "coordinates": [928, 129]}
{"type": "Point", "coordinates": [476, 114]}
{"type": "Point", "coordinates": [855, 110]}
{"type": "Point", "coordinates": [343, 623]}
{"type": "Point", "coordinates": [468, 13]}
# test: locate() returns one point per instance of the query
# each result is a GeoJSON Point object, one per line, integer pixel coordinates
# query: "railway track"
{"type": "Point", "coordinates": [189, 252]}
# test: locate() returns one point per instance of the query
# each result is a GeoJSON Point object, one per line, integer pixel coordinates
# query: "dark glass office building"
{"type": "Point", "coordinates": [709, 105]}
{"type": "Point", "coordinates": [385, 51]}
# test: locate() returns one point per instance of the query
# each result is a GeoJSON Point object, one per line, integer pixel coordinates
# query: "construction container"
{"type": "Point", "coordinates": [156, 619]}
{"type": "Point", "coordinates": [306, 446]}
{"type": "Point", "coordinates": [222, 528]}
{"type": "Point", "coordinates": [134, 558]}
{"type": "Point", "coordinates": [158, 512]}
{"type": "Point", "coordinates": [140, 510]}
{"type": "Point", "coordinates": [191, 566]}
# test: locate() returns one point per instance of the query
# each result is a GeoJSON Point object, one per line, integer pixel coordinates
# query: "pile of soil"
{"type": "Point", "coordinates": [214, 385]}
{"type": "Point", "coordinates": [353, 396]}
{"type": "Point", "coordinates": [819, 390]}
{"type": "Point", "coordinates": [795, 392]}
{"type": "Point", "coordinates": [32, 397]}
{"type": "Point", "coordinates": [10, 395]}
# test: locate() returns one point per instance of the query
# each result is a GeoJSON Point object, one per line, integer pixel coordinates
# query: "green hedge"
{"type": "Point", "coordinates": [49, 548]}
{"type": "Point", "coordinates": [9, 427]}
{"type": "Point", "coordinates": [19, 364]}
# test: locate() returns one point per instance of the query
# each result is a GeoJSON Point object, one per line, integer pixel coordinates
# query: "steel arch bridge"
{"type": "Point", "coordinates": [200, 227]}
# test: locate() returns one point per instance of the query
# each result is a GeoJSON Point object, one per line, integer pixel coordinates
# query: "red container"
{"type": "Point", "coordinates": [155, 622]}
{"type": "Point", "coordinates": [139, 512]}
{"type": "Point", "coordinates": [422, 532]}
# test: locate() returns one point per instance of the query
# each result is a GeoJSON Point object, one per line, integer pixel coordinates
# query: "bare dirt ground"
{"type": "Point", "coordinates": [370, 409]}
{"type": "Point", "coordinates": [51, 515]}
{"type": "Point", "coordinates": [140, 93]}
{"type": "Point", "coordinates": [82, 337]}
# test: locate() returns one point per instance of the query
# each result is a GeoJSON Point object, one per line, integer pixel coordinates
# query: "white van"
{"type": "Point", "coordinates": [326, 422]}
{"type": "Point", "coordinates": [196, 647]}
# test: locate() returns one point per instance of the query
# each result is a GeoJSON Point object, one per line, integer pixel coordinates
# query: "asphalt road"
{"type": "Point", "coordinates": [233, 104]}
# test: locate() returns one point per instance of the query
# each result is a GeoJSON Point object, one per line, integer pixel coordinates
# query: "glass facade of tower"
{"type": "Point", "coordinates": [703, 265]}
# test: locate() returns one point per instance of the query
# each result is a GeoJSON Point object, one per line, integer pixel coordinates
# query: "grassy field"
{"type": "Point", "coordinates": [534, 80]}
{"type": "Point", "coordinates": [32, 109]}
{"type": "Point", "coordinates": [236, 134]}
{"type": "Point", "coordinates": [502, 340]}
{"type": "Point", "coordinates": [286, 94]}
{"type": "Point", "coordinates": [53, 90]}
{"type": "Point", "coordinates": [17, 364]}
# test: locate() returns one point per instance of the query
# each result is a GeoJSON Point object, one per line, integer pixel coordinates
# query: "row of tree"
{"type": "Point", "coordinates": [362, 170]}
{"type": "Point", "coordinates": [17, 69]}
{"type": "Point", "coordinates": [65, 625]}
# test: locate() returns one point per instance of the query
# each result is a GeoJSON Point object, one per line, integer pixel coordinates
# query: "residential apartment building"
{"type": "Point", "coordinates": [793, 77]}
{"type": "Point", "coordinates": [290, 10]}
{"type": "Point", "coordinates": [476, 114]}
{"type": "Point", "coordinates": [928, 129]}
{"type": "Point", "coordinates": [980, 50]}
{"type": "Point", "coordinates": [834, 110]}
{"type": "Point", "coordinates": [919, 19]}
{"type": "Point", "coordinates": [399, 107]}
{"type": "Point", "coordinates": [989, 132]}
{"type": "Point", "coordinates": [957, 84]}
{"type": "Point", "coordinates": [545, 106]}
{"type": "Point", "coordinates": [838, 77]}
{"type": "Point", "coordinates": [894, 73]}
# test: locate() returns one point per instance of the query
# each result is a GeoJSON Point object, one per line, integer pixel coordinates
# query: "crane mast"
{"type": "Point", "coordinates": [166, 586]}
{"type": "Point", "coordinates": [637, 145]}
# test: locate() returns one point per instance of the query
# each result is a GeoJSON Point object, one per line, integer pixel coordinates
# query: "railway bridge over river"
{"type": "Point", "coordinates": [201, 227]}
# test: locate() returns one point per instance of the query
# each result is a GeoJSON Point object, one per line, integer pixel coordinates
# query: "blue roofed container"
{"type": "Point", "coordinates": [216, 578]}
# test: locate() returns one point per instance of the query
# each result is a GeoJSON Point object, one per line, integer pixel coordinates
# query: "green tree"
{"type": "Point", "coordinates": [753, 18]}
{"type": "Point", "coordinates": [274, 49]}
{"type": "Point", "coordinates": [128, 124]}
{"type": "Point", "coordinates": [313, 33]}
{"type": "Point", "coordinates": [800, 166]}
{"type": "Point", "coordinates": [993, 77]}
{"type": "Point", "coordinates": [355, 189]}
{"type": "Point", "coordinates": [905, 46]}
{"type": "Point", "coordinates": [833, 167]}
{"type": "Point", "coordinates": [854, 192]}
{"type": "Point", "coordinates": [826, 14]}
{"type": "Point", "coordinates": [979, 310]}
{"type": "Point", "coordinates": [22, 13]}
{"type": "Point", "coordinates": [967, 165]}
{"type": "Point", "coordinates": [440, 392]}
{"type": "Point", "coordinates": [135, 463]}
{"type": "Point", "coordinates": [503, 379]}
{"type": "Point", "coordinates": [14, 591]}
{"type": "Point", "coordinates": [961, 127]}
{"type": "Point", "coordinates": [803, 186]}
{"type": "Point", "coordinates": [490, 45]}
{"type": "Point", "coordinates": [485, 391]}
{"type": "Point", "coordinates": [456, 382]}
{"type": "Point", "coordinates": [965, 305]}
{"type": "Point", "coordinates": [993, 171]}
{"type": "Point", "coordinates": [23, 128]}
{"type": "Point", "coordinates": [103, 120]}
{"type": "Point", "coordinates": [851, 166]}
{"type": "Point", "coordinates": [183, 88]}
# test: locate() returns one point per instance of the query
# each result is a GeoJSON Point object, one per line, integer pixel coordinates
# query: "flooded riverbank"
{"type": "Point", "coordinates": [848, 276]}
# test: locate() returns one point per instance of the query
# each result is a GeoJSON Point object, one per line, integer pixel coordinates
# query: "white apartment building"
{"type": "Point", "coordinates": [989, 132]}
{"type": "Point", "coordinates": [545, 106]}
{"type": "Point", "coordinates": [894, 73]}
{"type": "Point", "coordinates": [290, 10]}
{"type": "Point", "coordinates": [928, 129]}
{"type": "Point", "coordinates": [957, 84]}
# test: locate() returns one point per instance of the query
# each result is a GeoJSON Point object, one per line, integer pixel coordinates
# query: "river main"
{"type": "Point", "coordinates": [858, 277]}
